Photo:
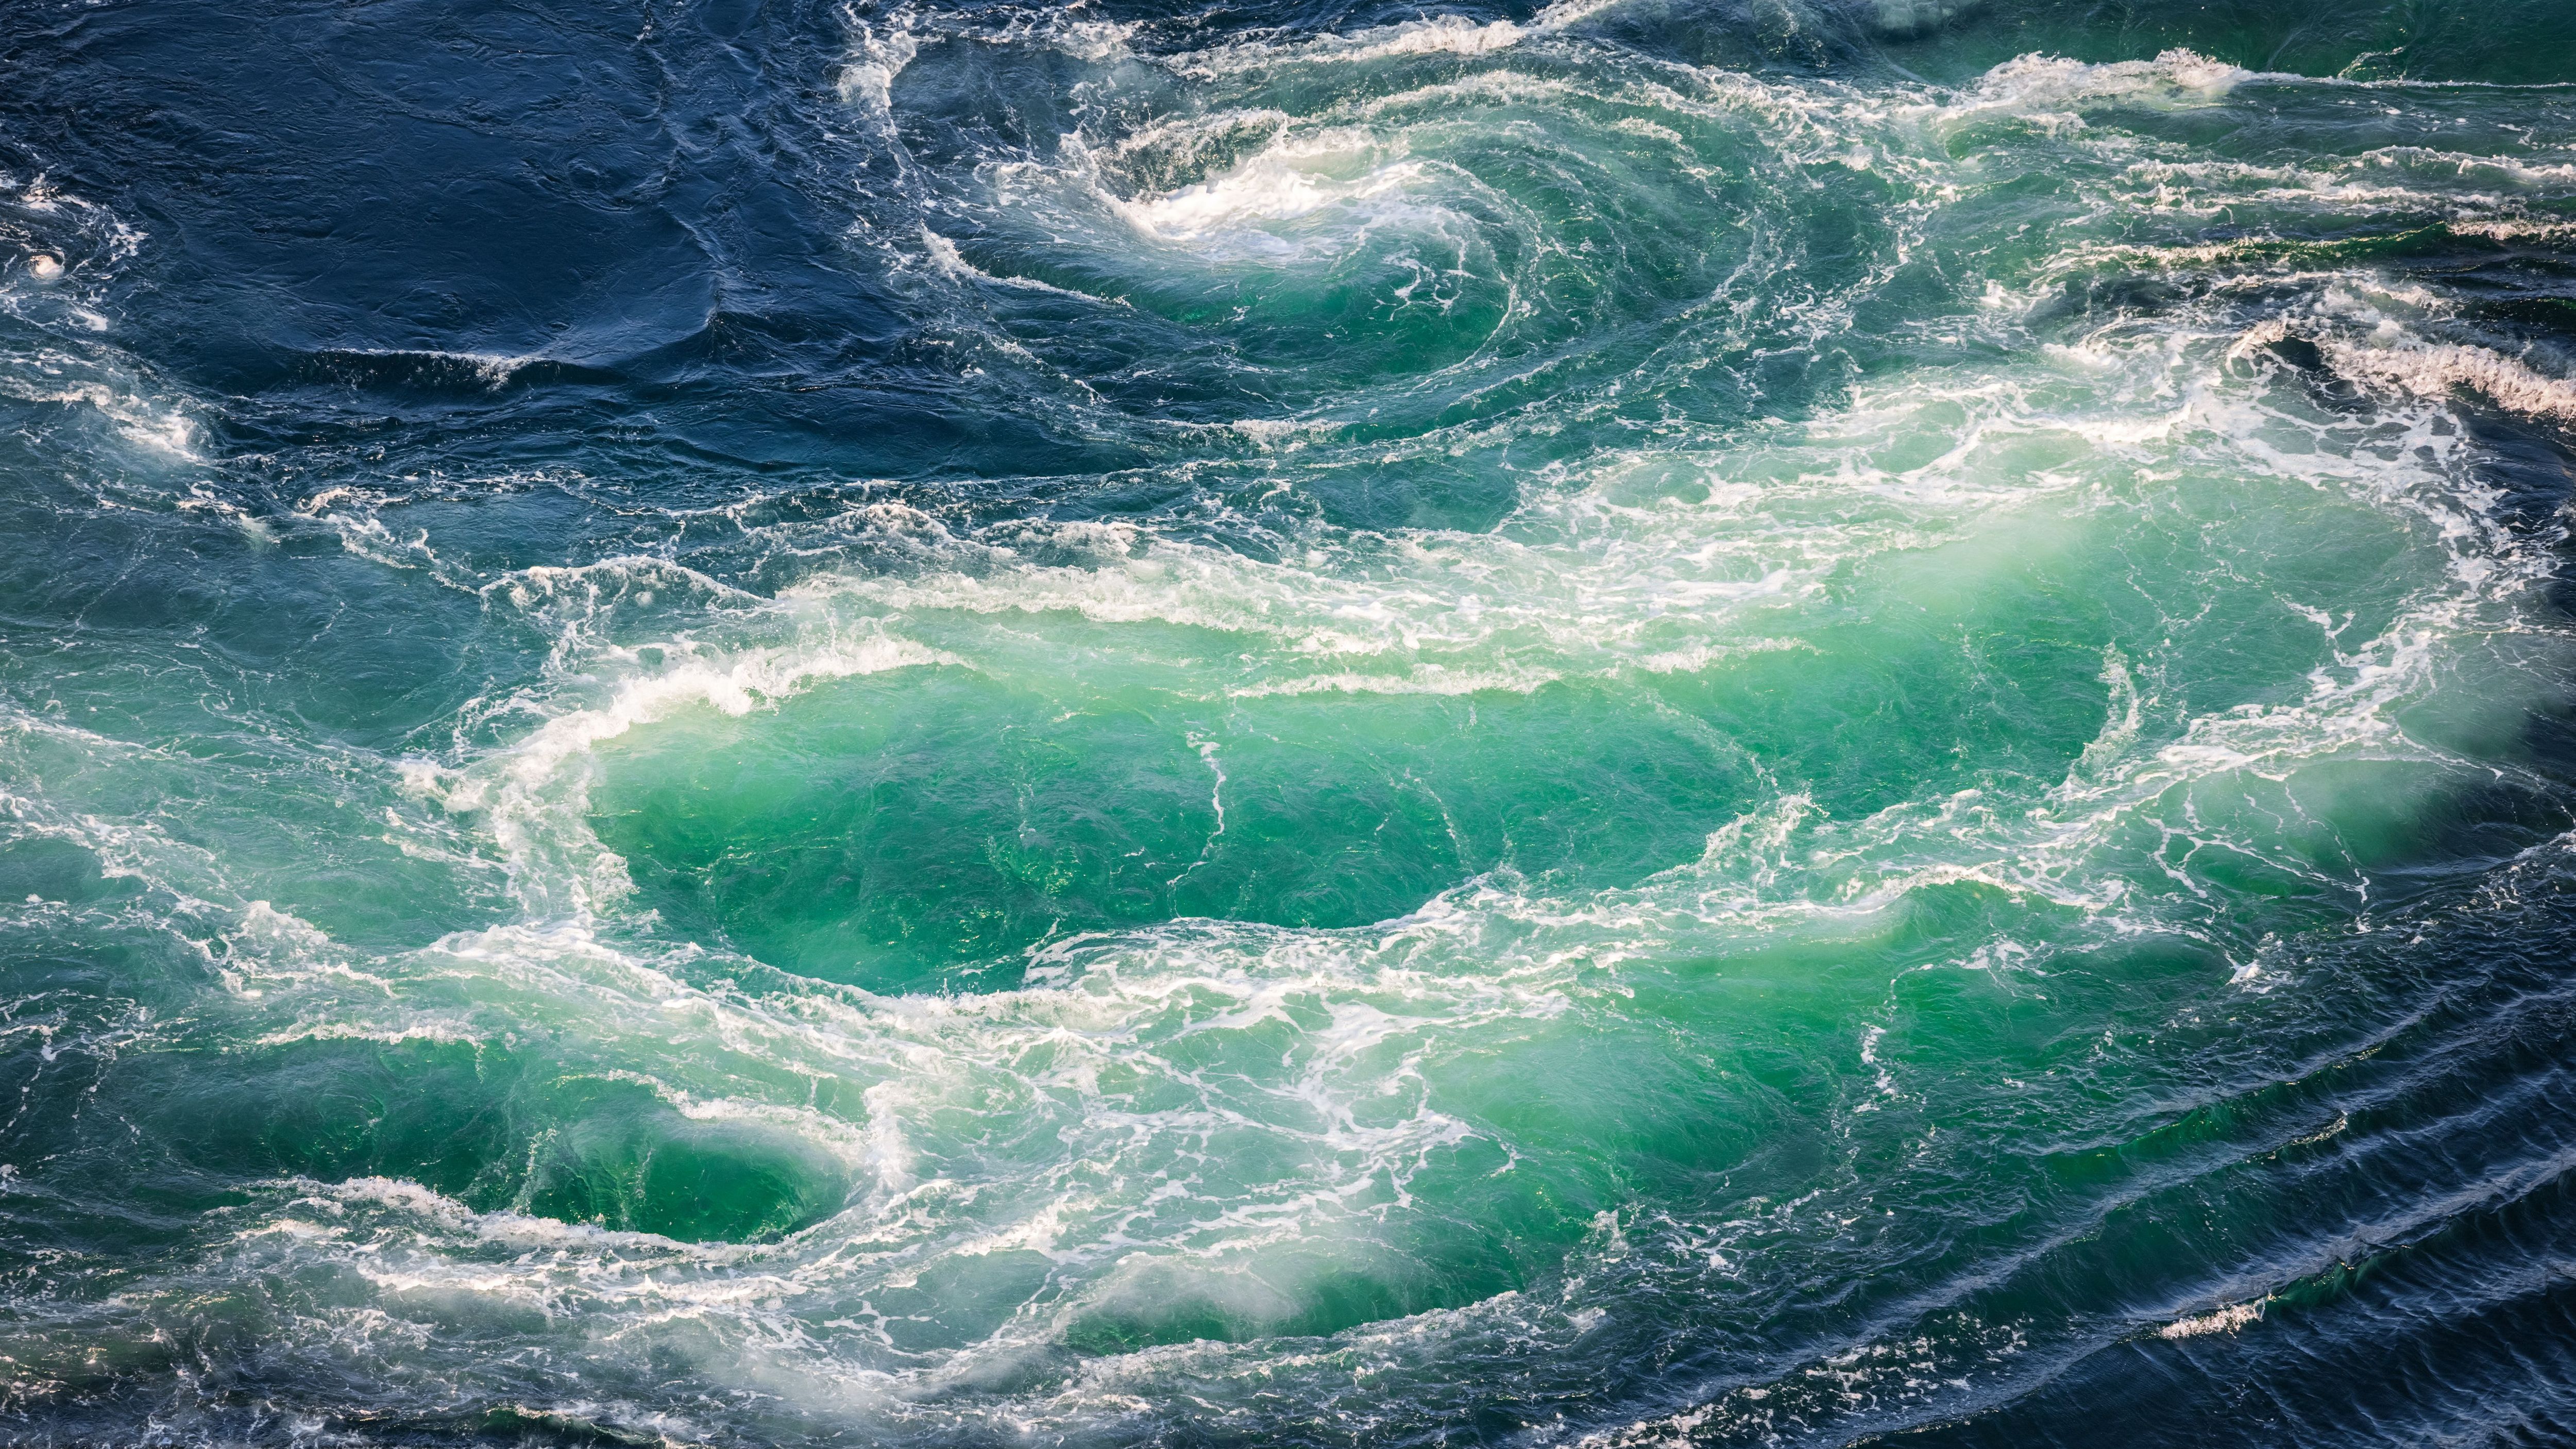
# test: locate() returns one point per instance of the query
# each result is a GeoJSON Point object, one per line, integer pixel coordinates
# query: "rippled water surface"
{"type": "Point", "coordinates": [1285, 722]}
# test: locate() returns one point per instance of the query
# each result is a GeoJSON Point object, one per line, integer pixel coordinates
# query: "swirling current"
{"type": "Point", "coordinates": [1287, 722]}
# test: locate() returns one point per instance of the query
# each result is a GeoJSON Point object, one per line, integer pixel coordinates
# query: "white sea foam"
{"type": "Point", "coordinates": [1443, 34]}
{"type": "Point", "coordinates": [2223, 1320]}
{"type": "Point", "coordinates": [147, 422]}
{"type": "Point", "coordinates": [867, 78]}
{"type": "Point", "coordinates": [492, 369]}
{"type": "Point", "coordinates": [2041, 83]}
{"type": "Point", "coordinates": [1346, 171]}
{"type": "Point", "coordinates": [1433, 35]}
{"type": "Point", "coordinates": [2433, 369]}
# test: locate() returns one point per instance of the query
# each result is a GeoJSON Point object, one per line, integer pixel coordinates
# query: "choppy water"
{"type": "Point", "coordinates": [1287, 723]}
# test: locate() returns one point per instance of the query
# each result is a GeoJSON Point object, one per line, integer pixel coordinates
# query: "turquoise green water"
{"type": "Point", "coordinates": [1608, 725]}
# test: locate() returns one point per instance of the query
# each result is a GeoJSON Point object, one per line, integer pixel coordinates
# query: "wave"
{"type": "Point", "coordinates": [1500, 724]}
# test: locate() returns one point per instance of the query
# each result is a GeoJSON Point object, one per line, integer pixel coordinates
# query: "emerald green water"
{"type": "Point", "coordinates": [1607, 725]}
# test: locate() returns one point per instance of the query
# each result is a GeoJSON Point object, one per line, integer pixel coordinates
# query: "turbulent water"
{"type": "Point", "coordinates": [1283, 722]}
